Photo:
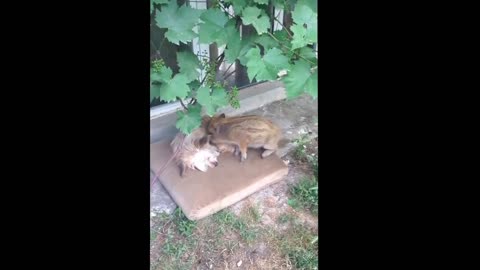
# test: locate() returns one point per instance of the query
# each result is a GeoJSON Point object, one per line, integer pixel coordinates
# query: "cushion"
{"type": "Point", "coordinates": [200, 194]}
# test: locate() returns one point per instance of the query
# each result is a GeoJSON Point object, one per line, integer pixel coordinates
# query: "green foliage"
{"type": "Point", "coordinates": [184, 225]}
{"type": "Point", "coordinates": [303, 35]}
{"type": "Point", "coordinates": [305, 194]}
{"type": "Point", "coordinates": [212, 100]}
{"type": "Point", "coordinates": [266, 67]}
{"type": "Point", "coordinates": [213, 27]}
{"type": "Point", "coordinates": [238, 5]}
{"type": "Point", "coordinates": [189, 120]}
{"type": "Point", "coordinates": [178, 21]}
{"type": "Point", "coordinates": [257, 18]}
{"type": "Point", "coordinates": [188, 63]}
{"type": "Point", "coordinates": [233, 98]}
{"type": "Point", "coordinates": [264, 54]}
{"type": "Point", "coordinates": [300, 79]}
{"type": "Point", "coordinates": [176, 87]}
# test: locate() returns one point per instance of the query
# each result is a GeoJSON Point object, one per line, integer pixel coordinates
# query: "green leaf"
{"type": "Point", "coordinates": [312, 4]}
{"type": "Point", "coordinates": [237, 48]}
{"type": "Point", "coordinates": [154, 91]}
{"type": "Point", "coordinates": [188, 63]}
{"type": "Point", "coordinates": [176, 87]}
{"type": "Point", "coordinates": [164, 75]}
{"type": "Point", "coordinates": [213, 26]}
{"type": "Point", "coordinates": [308, 54]}
{"type": "Point", "coordinates": [190, 120]}
{"type": "Point", "coordinates": [155, 76]}
{"type": "Point", "coordinates": [193, 88]}
{"type": "Point", "coordinates": [194, 85]}
{"type": "Point", "coordinates": [238, 5]}
{"type": "Point", "coordinates": [300, 79]}
{"type": "Point", "coordinates": [299, 36]}
{"type": "Point", "coordinates": [212, 102]}
{"type": "Point", "coordinates": [266, 67]}
{"type": "Point", "coordinates": [232, 51]}
{"type": "Point", "coordinates": [261, 2]}
{"type": "Point", "coordinates": [266, 41]}
{"type": "Point", "coordinates": [302, 16]}
{"type": "Point", "coordinates": [282, 36]}
{"type": "Point", "coordinates": [178, 21]}
{"type": "Point", "coordinates": [227, 33]}
{"type": "Point", "coordinates": [311, 86]}
{"type": "Point", "coordinates": [257, 18]}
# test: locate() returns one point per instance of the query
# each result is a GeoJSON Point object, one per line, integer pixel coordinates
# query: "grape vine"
{"type": "Point", "coordinates": [286, 54]}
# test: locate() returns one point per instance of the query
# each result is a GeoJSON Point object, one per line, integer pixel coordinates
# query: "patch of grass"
{"type": "Point", "coordinates": [300, 151]}
{"type": "Point", "coordinates": [293, 203]}
{"type": "Point", "coordinates": [224, 220]}
{"type": "Point", "coordinates": [313, 161]}
{"type": "Point", "coordinates": [305, 194]}
{"type": "Point", "coordinates": [285, 218]}
{"type": "Point", "coordinates": [246, 232]}
{"type": "Point", "coordinates": [303, 258]}
{"type": "Point", "coordinates": [173, 234]}
{"type": "Point", "coordinates": [174, 247]}
{"type": "Point", "coordinates": [299, 244]}
{"type": "Point", "coordinates": [254, 213]}
{"type": "Point", "coordinates": [184, 225]}
{"type": "Point", "coordinates": [228, 221]}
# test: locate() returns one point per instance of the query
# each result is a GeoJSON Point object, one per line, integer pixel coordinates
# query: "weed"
{"type": "Point", "coordinates": [305, 194]}
{"type": "Point", "coordinates": [298, 243]}
{"type": "Point", "coordinates": [184, 225]}
{"type": "Point", "coordinates": [228, 221]}
{"type": "Point", "coordinates": [313, 160]}
{"type": "Point", "coordinates": [300, 152]}
{"type": "Point", "coordinates": [285, 218]}
{"type": "Point", "coordinates": [254, 214]}
{"type": "Point", "coordinates": [303, 258]}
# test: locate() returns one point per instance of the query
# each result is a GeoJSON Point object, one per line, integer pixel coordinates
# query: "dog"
{"type": "Point", "coordinates": [194, 151]}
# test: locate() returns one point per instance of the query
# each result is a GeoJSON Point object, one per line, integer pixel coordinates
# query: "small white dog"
{"type": "Point", "coordinates": [194, 151]}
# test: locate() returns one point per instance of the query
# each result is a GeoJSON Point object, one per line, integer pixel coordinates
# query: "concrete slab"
{"type": "Point", "coordinates": [296, 118]}
{"type": "Point", "coordinates": [200, 194]}
{"type": "Point", "coordinates": [160, 201]}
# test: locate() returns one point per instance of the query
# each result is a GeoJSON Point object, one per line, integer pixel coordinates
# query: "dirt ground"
{"type": "Point", "coordinates": [271, 229]}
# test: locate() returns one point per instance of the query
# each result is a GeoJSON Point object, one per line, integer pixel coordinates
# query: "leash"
{"type": "Point", "coordinates": [161, 170]}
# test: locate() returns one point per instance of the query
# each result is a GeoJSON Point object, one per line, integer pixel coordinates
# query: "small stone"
{"type": "Point", "coordinates": [211, 265]}
{"type": "Point", "coordinates": [239, 263]}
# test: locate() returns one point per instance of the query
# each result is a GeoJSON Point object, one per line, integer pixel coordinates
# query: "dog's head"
{"type": "Point", "coordinates": [206, 155]}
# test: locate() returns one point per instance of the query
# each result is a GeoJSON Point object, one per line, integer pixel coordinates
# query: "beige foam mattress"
{"type": "Point", "coordinates": [201, 194]}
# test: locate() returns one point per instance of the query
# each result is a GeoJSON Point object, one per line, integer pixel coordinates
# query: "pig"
{"type": "Point", "coordinates": [242, 132]}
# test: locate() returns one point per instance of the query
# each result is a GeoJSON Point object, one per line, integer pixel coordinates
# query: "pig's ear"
{"type": "Point", "coordinates": [205, 120]}
{"type": "Point", "coordinates": [204, 140]}
{"type": "Point", "coordinates": [222, 115]}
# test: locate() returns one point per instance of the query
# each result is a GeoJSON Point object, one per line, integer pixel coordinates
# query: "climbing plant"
{"type": "Point", "coordinates": [268, 55]}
